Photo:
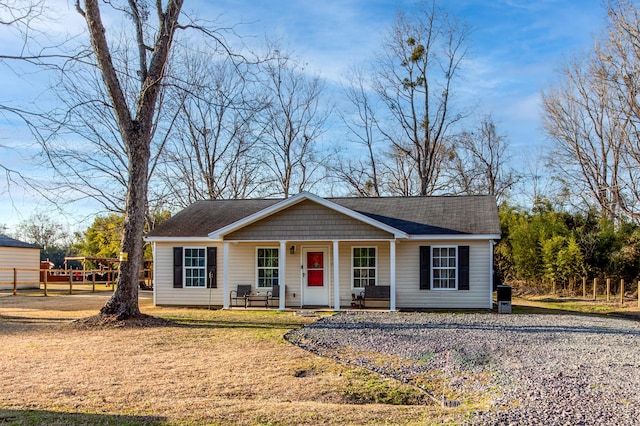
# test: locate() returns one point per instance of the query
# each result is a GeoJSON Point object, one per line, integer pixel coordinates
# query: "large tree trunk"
{"type": "Point", "coordinates": [124, 302]}
{"type": "Point", "coordinates": [136, 132]}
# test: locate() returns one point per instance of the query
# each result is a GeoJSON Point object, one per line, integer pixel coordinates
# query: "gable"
{"type": "Point", "coordinates": [307, 220]}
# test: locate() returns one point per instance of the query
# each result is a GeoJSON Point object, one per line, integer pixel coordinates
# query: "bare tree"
{"type": "Point", "coordinates": [584, 117]}
{"type": "Point", "coordinates": [291, 123]}
{"type": "Point", "coordinates": [481, 161]}
{"type": "Point", "coordinates": [415, 78]}
{"type": "Point", "coordinates": [211, 154]}
{"type": "Point", "coordinates": [620, 59]}
{"type": "Point", "coordinates": [400, 175]}
{"type": "Point", "coordinates": [20, 13]}
{"type": "Point", "coordinates": [135, 122]}
{"type": "Point", "coordinates": [358, 164]}
{"type": "Point", "coordinates": [19, 18]}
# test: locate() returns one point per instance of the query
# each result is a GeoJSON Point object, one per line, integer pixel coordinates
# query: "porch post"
{"type": "Point", "coordinates": [491, 245]}
{"type": "Point", "coordinates": [392, 275]}
{"type": "Point", "coordinates": [153, 275]}
{"type": "Point", "coordinates": [281, 272]}
{"type": "Point", "coordinates": [225, 276]}
{"type": "Point", "coordinates": [336, 277]}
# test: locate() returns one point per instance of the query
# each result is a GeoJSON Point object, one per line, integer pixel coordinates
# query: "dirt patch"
{"type": "Point", "coordinates": [115, 321]}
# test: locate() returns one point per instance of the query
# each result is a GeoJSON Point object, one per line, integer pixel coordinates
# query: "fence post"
{"type": "Point", "coordinates": [70, 281]}
{"type": "Point", "coordinates": [584, 287]}
{"type": "Point", "coordinates": [45, 282]}
{"type": "Point", "coordinates": [595, 287]}
{"type": "Point", "coordinates": [15, 281]}
{"type": "Point", "coordinates": [638, 293]}
{"type": "Point", "coordinates": [608, 288]}
{"type": "Point", "coordinates": [93, 281]}
{"type": "Point", "coordinates": [622, 292]}
{"type": "Point", "coordinates": [553, 286]}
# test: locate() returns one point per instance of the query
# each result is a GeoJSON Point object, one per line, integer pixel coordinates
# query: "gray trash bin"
{"type": "Point", "coordinates": [504, 299]}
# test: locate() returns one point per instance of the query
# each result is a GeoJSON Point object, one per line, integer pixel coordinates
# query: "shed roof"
{"type": "Point", "coordinates": [12, 242]}
{"type": "Point", "coordinates": [445, 215]}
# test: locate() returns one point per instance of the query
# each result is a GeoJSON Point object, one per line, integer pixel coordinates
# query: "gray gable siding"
{"type": "Point", "coordinates": [308, 220]}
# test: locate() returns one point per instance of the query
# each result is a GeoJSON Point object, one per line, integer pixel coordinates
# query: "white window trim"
{"type": "Point", "coordinates": [257, 275]}
{"type": "Point", "coordinates": [351, 267]}
{"type": "Point", "coordinates": [185, 267]}
{"type": "Point", "coordinates": [433, 281]}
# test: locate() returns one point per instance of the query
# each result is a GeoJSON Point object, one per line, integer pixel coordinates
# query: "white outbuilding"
{"type": "Point", "coordinates": [19, 261]}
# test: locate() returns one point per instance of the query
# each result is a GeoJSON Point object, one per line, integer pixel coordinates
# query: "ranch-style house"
{"type": "Point", "coordinates": [429, 252]}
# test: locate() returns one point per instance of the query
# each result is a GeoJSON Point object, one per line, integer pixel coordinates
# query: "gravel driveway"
{"type": "Point", "coordinates": [534, 369]}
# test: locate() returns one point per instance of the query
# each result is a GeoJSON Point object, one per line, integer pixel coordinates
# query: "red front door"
{"type": "Point", "coordinates": [315, 269]}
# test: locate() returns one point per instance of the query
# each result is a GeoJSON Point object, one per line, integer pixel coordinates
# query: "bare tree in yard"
{"type": "Point", "coordinates": [135, 120]}
{"type": "Point", "coordinates": [211, 155]}
{"type": "Point", "coordinates": [620, 58]}
{"type": "Point", "coordinates": [587, 132]}
{"type": "Point", "coordinates": [14, 12]}
{"type": "Point", "coordinates": [359, 167]}
{"type": "Point", "coordinates": [18, 17]}
{"type": "Point", "coordinates": [291, 123]}
{"type": "Point", "coordinates": [401, 177]}
{"type": "Point", "coordinates": [481, 161]}
{"type": "Point", "coordinates": [591, 116]}
{"type": "Point", "coordinates": [415, 78]}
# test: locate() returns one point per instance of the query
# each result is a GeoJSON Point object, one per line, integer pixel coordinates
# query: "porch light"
{"type": "Point", "coordinates": [292, 249]}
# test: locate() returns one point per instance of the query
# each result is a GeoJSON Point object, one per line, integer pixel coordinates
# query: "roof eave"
{"type": "Point", "coordinates": [176, 239]}
{"type": "Point", "coordinates": [475, 237]}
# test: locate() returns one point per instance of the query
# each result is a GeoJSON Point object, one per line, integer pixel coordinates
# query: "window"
{"type": "Point", "coordinates": [364, 266]}
{"type": "Point", "coordinates": [444, 268]}
{"type": "Point", "coordinates": [267, 267]}
{"type": "Point", "coordinates": [195, 271]}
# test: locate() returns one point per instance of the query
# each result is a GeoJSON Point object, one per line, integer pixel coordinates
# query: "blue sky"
{"type": "Point", "coordinates": [515, 50]}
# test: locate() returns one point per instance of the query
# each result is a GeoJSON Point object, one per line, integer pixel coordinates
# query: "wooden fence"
{"type": "Point", "coordinates": [608, 288]}
{"type": "Point", "coordinates": [43, 279]}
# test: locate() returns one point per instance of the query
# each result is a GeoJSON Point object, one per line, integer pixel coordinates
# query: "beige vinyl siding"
{"type": "Point", "coordinates": [382, 258]}
{"type": "Point", "coordinates": [408, 291]}
{"type": "Point", "coordinates": [307, 220]}
{"type": "Point", "coordinates": [18, 257]}
{"type": "Point", "coordinates": [242, 270]}
{"type": "Point", "coordinates": [165, 294]}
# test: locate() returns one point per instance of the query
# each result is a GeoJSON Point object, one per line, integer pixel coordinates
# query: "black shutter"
{"type": "Point", "coordinates": [177, 267]}
{"type": "Point", "coordinates": [425, 267]}
{"type": "Point", "coordinates": [463, 268]}
{"type": "Point", "coordinates": [212, 267]}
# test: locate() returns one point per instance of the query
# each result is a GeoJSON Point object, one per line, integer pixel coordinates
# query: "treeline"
{"type": "Point", "coordinates": [546, 245]}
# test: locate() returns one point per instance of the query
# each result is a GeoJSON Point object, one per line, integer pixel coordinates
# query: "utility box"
{"type": "Point", "coordinates": [504, 299]}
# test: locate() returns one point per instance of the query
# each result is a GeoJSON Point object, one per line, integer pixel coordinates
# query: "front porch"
{"type": "Point", "coordinates": [323, 274]}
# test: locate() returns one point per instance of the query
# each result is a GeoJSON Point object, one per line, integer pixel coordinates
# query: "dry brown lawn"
{"type": "Point", "coordinates": [212, 367]}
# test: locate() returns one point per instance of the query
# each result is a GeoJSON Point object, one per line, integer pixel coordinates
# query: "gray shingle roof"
{"type": "Point", "coordinates": [413, 215]}
{"type": "Point", "coordinates": [11, 242]}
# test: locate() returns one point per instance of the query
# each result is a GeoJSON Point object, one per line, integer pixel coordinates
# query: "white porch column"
{"type": "Point", "coordinates": [336, 277]}
{"type": "Point", "coordinates": [491, 245]}
{"type": "Point", "coordinates": [392, 275]}
{"type": "Point", "coordinates": [225, 276]}
{"type": "Point", "coordinates": [154, 277]}
{"type": "Point", "coordinates": [281, 272]}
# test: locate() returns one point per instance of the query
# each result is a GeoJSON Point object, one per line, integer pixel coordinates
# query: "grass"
{"type": "Point", "coordinates": [559, 304]}
{"type": "Point", "coordinates": [212, 367]}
